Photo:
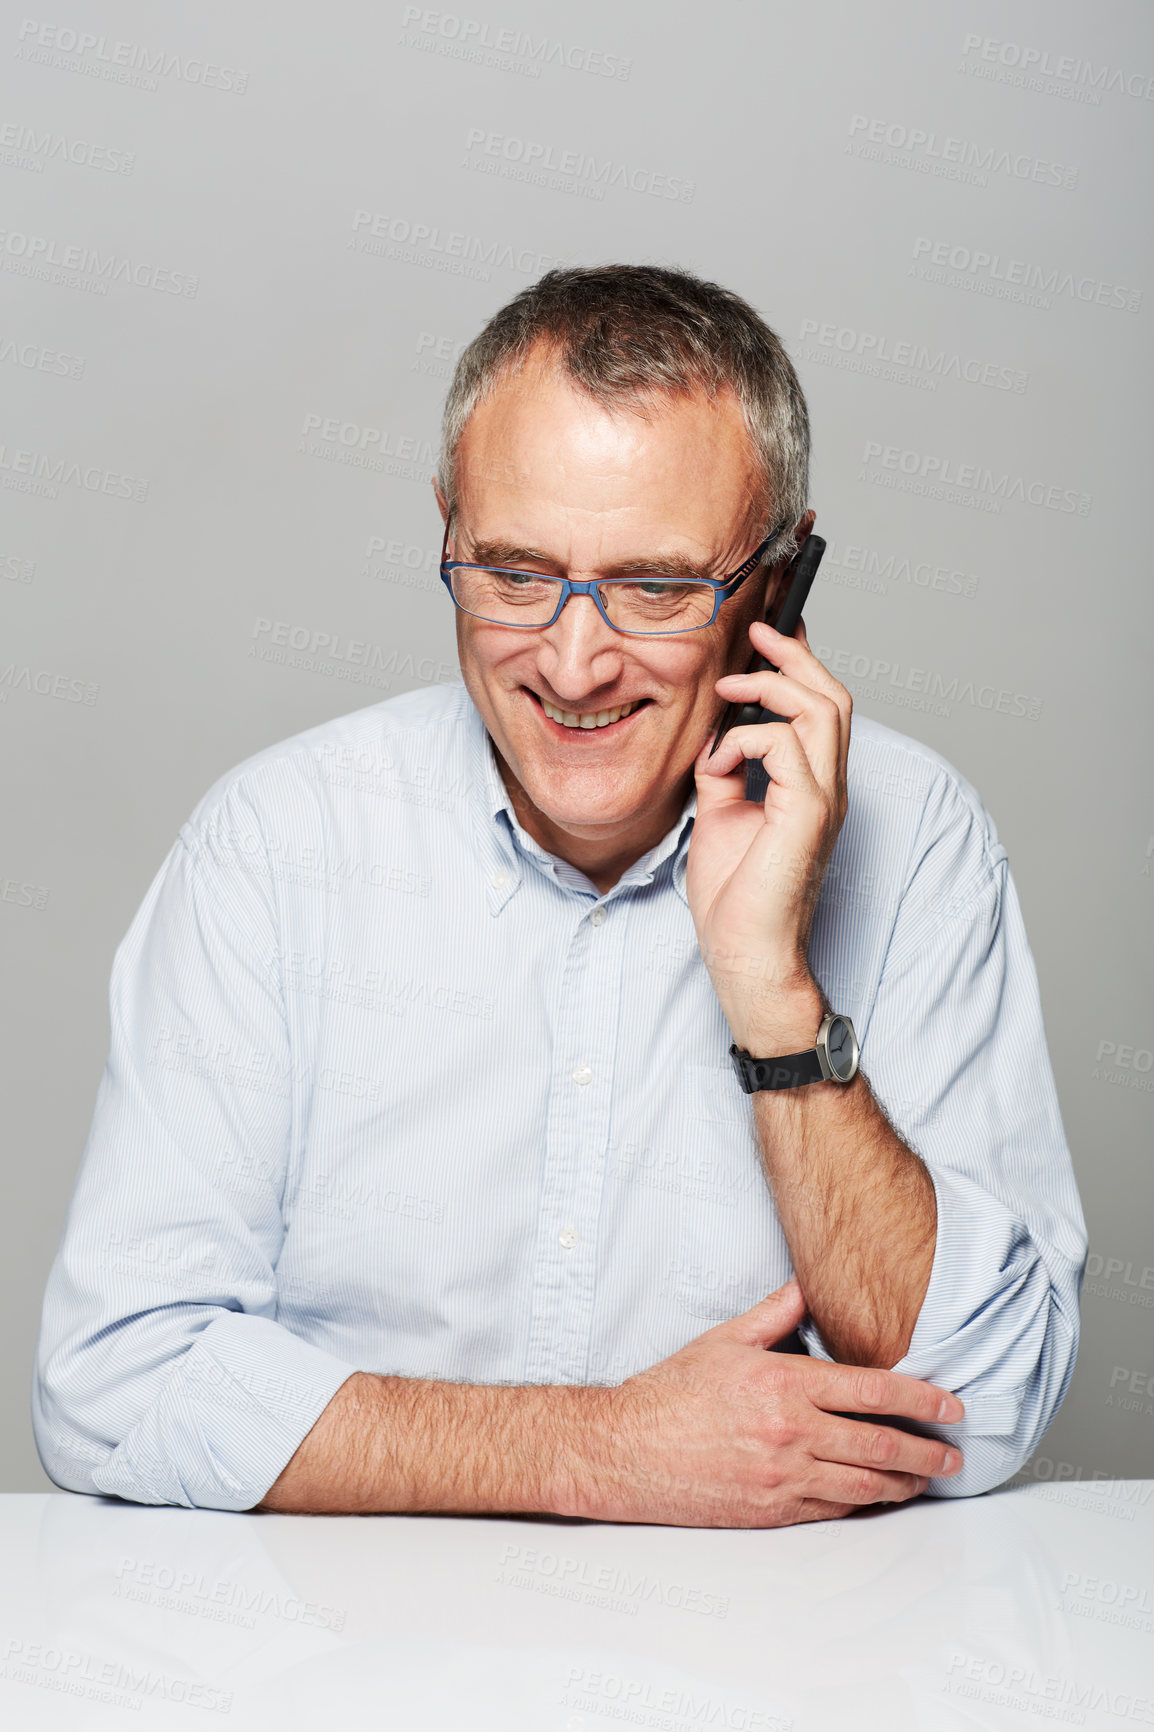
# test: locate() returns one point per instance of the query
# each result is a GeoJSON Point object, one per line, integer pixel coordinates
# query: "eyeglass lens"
{"type": "Point", "coordinates": [521, 598]}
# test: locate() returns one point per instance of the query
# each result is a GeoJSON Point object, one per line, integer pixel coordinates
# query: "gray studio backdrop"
{"type": "Point", "coordinates": [240, 247]}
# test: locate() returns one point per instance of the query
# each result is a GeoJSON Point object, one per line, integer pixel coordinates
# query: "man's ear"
{"type": "Point", "coordinates": [774, 592]}
{"type": "Point", "coordinates": [442, 502]}
{"type": "Point", "coordinates": [805, 524]}
{"type": "Point", "coordinates": [775, 587]}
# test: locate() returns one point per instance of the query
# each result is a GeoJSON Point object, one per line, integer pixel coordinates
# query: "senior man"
{"type": "Point", "coordinates": [420, 1177]}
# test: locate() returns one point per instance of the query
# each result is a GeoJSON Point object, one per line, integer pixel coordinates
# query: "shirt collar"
{"type": "Point", "coordinates": [504, 847]}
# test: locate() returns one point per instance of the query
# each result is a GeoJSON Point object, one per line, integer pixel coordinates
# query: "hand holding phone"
{"type": "Point", "coordinates": [799, 576]}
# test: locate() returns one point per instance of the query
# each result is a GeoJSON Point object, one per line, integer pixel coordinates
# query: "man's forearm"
{"type": "Point", "coordinates": [857, 1207]}
{"type": "Point", "coordinates": [858, 1212]}
{"type": "Point", "coordinates": [414, 1444]}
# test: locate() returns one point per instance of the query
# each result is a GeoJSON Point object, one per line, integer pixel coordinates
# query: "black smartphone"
{"type": "Point", "coordinates": [799, 576]}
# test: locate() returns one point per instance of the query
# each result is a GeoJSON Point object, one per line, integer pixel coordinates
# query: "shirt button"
{"type": "Point", "coordinates": [499, 880]}
{"type": "Point", "coordinates": [596, 916]}
{"type": "Point", "coordinates": [568, 1237]}
{"type": "Point", "coordinates": [582, 1074]}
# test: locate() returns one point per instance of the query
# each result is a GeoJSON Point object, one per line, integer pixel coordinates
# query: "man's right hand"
{"type": "Point", "coordinates": [726, 1434]}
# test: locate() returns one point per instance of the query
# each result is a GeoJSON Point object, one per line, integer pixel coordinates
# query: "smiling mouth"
{"type": "Point", "coordinates": [570, 722]}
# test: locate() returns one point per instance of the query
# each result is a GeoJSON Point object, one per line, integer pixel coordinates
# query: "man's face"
{"type": "Point", "coordinates": [549, 481]}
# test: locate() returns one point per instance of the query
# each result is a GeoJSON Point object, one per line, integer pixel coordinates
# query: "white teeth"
{"type": "Point", "coordinates": [591, 719]}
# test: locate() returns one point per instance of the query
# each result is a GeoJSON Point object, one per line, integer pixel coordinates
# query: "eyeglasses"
{"type": "Point", "coordinates": [638, 606]}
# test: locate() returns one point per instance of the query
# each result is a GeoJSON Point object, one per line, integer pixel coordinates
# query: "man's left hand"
{"type": "Point", "coordinates": [754, 870]}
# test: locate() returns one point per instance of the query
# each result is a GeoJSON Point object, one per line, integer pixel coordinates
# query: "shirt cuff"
{"type": "Point", "coordinates": [228, 1420]}
{"type": "Point", "coordinates": [984, 1326]}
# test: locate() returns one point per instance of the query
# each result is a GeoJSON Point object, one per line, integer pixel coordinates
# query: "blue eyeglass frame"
{"type": "Point", "coordinates": [723, 588]}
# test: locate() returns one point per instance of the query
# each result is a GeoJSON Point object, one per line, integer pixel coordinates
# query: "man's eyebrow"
{"type": "Point", "coordinates": [656, 565]}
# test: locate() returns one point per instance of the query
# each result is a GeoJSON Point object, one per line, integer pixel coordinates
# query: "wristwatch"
{"type": "Point", "coordinates": [833, 1058]}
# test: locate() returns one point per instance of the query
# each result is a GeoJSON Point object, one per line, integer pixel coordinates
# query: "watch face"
{"type": "Point", "coordinates": [840, 1045]}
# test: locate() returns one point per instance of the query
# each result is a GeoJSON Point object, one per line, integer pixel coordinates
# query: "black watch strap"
{"type": "Point", "coordinates": [790, 1072]}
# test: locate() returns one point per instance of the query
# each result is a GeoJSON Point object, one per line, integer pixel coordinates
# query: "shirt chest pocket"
{"type": "Point", "coordinates": [729, 1250]}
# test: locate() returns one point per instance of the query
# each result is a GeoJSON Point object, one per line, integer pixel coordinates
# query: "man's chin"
{"type": "Point", "coordinates": [583, 800]}
{"type": "Point", "coordinates": [586, 815]}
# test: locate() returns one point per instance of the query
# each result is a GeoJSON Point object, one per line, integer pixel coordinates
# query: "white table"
{"type": "Point", "coordinates": [1022, 1608]}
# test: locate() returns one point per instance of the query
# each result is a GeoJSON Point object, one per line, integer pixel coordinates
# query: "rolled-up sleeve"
{"type": "Point", "coordinates": [955, 1050]}
{"type": "Point", "coordinates": [162, 1374]}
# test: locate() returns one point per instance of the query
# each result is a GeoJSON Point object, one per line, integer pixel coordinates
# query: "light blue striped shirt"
{"type": "Point", "coordinates": [391, 1088]}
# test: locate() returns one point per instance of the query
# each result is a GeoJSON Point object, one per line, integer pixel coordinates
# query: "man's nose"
{"type": "Point", "coordinates": [579, 632]}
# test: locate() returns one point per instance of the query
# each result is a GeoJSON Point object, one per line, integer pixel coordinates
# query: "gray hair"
{"type": "Point", "coordinates": [632, 331]}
